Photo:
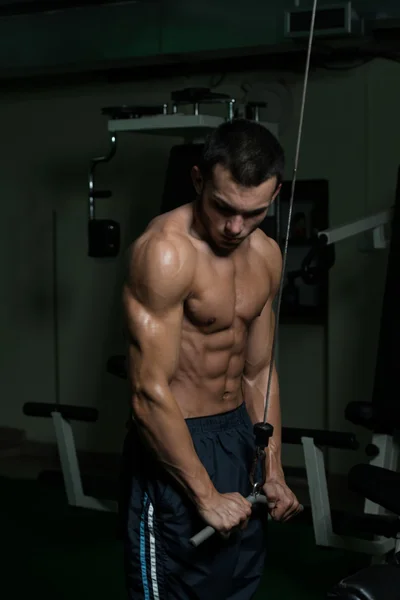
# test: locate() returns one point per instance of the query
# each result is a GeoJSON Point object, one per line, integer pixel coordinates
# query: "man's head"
{"type": "Point", "coordinates": [238, 177]}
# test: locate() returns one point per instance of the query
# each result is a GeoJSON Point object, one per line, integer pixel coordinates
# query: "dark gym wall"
{"type": "Point", "coordinates": [350, 137]}
{"type": "Point", "coordinates": [131, 31]}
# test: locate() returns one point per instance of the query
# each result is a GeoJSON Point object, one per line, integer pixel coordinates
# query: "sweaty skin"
{"type": "Point", "coordinates": [200, 321]}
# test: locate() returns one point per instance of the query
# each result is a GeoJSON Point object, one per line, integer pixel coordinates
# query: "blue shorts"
{"type": "Point", "coordinates": [158, 519]}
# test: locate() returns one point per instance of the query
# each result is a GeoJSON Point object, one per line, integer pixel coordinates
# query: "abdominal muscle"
{"type": "Point", "coordinates": [209, 375]}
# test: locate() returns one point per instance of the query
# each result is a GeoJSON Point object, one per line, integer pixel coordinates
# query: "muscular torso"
{"type": "Point", "coordinates": [226, 295]}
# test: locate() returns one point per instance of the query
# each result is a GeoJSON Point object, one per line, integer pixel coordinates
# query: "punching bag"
{"type": "Point", "coordinates": [178, 187]}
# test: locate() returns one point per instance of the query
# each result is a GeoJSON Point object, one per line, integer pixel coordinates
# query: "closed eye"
{"type": "Point", "coordinates": [228, 211]}
{"type": "Point", "coordinates": [225, 210]}
{"type": "Point", "coordinates": [256, 213]}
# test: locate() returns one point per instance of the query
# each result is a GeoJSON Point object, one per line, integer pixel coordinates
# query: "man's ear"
{"type": "Point", "coordinates": [197, 179]}
{"type": "Point", "coordinates": [277, 191]}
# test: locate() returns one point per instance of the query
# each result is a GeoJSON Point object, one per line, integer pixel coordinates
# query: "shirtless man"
{"type": "Point", "coordinates": [198, 302]}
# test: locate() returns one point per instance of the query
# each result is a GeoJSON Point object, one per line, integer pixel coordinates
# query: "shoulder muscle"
{"type": "Point", "coordinates": [161, 269]}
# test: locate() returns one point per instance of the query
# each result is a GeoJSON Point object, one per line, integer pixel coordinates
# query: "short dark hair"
{"type": "Point", "coordinates": [247, 149]}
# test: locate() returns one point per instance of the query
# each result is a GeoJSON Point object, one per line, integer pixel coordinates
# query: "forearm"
{"type": "Point", "coordinates": [163, 428]}
{"type": "Point", "coordinates": [255, 392]}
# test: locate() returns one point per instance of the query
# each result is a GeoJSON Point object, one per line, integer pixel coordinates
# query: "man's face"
{"type": "Point", "coordinates": [228, 211]}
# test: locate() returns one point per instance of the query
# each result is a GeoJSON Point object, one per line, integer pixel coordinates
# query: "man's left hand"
{"type": "Point", "coordinates": [282, 503]}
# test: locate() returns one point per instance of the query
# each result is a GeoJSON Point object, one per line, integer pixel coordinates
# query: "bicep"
{"type": "Point", "coordinates": [154, 342]}
{"type": "Point", "coordinates": [154, 294]}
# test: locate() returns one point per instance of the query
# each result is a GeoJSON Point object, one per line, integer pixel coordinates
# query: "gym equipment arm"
{"type": "Point", "coordinates": [380, 485]}
{"type": "Point", "coordinates": [330, 439]}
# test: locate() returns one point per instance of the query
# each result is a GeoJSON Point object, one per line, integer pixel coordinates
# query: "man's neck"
{"type": "Point", "coordinates": [197, 228]}
{"type": "Point", "coordinates": [199, 231]}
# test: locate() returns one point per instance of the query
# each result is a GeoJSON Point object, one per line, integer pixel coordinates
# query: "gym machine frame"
{"type": "Point", "coordinates": [387, 448]}
{"type": "Point", "coordinates": [175, 120]}
{"type": "Point", "coordinates": [61, 416]}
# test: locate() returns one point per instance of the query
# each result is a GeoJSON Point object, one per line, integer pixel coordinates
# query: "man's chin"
{"type": "Point", "coordinates": [225, 246]}
{"type": "Point", "coordinates": [231, 242]}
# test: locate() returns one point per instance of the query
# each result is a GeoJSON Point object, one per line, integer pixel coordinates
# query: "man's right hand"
{"type": "Point", "coordinates": [225, 512]}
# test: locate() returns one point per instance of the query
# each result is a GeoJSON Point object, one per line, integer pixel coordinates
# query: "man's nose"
{"type": "Point", "coordinates": [235, 225]}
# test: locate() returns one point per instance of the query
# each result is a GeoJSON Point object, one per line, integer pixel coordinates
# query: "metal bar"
{"type": "Point", "coordinates": [96, 504]}
{"type": "Point", "coordinates": [337, 234]}
{"type": "Point", "coordinates": [71, 471]}
{"type": "Point", "coordinates": [321, 511]}
{"type": "Point", "coordinates": [171, 124]}
{"type": "Point", "coordinates": [209, 531]}
{"type": "Point", "coordinates": [68, 458]}
{"type": "Point", "coordinates": [319, 496]}
{"type": "Point", "coordinates": [56, 345]}
{"type": "Point", "coordinates": [93, 164]}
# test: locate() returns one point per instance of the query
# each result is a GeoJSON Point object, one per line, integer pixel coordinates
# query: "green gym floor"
{"type": "Point", "coordinates": [55, 552]}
